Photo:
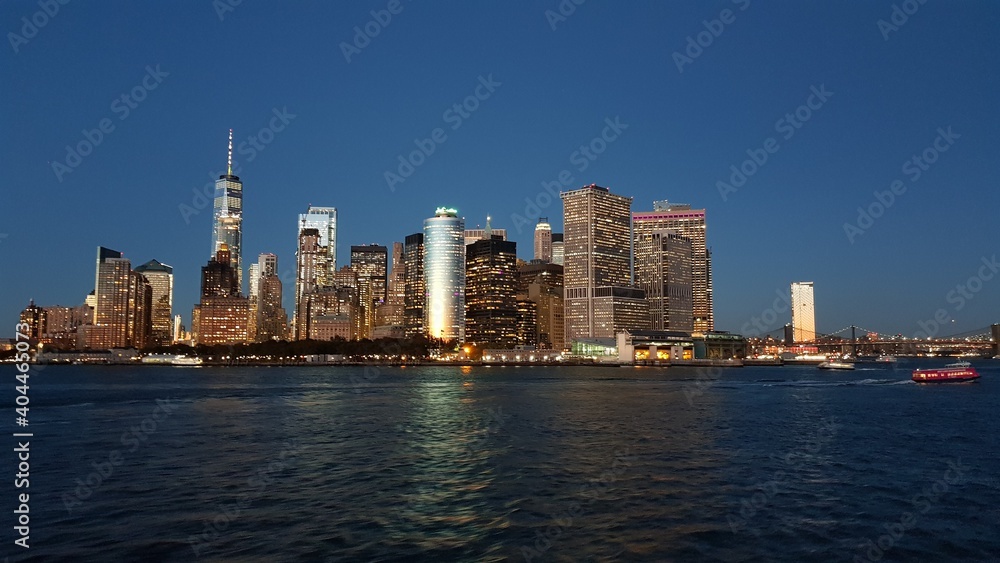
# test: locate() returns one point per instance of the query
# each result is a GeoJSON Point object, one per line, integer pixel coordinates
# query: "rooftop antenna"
{"type": "Point", "coordinates": [230, 161]}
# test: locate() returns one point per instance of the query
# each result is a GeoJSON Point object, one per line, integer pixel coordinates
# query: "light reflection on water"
{"type": "Point", "coordinates": [562, 464]}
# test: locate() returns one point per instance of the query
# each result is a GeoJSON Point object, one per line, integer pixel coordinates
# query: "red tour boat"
{"type": "Point", "coordinates": [959, 371]}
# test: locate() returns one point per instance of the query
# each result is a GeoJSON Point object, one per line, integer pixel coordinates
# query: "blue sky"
{"type": "Point", "coordinates": [552, 91]}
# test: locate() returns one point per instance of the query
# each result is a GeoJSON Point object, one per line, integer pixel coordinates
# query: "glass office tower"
{"type": "Point", "coordinates": [444, 275]}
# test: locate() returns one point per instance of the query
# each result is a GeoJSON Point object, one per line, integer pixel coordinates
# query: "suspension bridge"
{"type": "Point", "coordinates": [857, 340]}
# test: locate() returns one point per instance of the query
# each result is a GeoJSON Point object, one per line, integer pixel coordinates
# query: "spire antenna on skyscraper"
{"type": "Point", "coordinates": [230, 159]}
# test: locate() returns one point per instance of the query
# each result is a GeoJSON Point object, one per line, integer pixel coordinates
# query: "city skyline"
{"type": "Point", "coordinates": [798, 212]}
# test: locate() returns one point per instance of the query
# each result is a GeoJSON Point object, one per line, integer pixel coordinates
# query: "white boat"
{"type": "Point", "coordinates": [171, 360]}
{"type": "Point", "coordinates": [186, 361]}
{"type": "Point", "coordinates": [834, 364]}
{"type": "Point", "coordinates": [886, 359]}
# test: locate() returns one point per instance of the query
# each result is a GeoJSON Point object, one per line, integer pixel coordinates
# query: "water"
{"type": "Point", "coordinates": [494, 464]}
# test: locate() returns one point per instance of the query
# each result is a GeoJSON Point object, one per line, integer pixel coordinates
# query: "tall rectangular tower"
{"type": "Point", "coordinates": [370, 261]}
{"type": "Point", "coordinates": [543, 240]}
{"type": "Point", "coordinates": [161, 277]}
{"type": "Point", "coordinates": [413, 293]}
{"type": "Point", "coordinates": [490, 293]}
{"type": "Point", "coordinates": [599, 297]}
{"type": "Point", "coordinates": [663, 270]}
{"type": "Point", "coordinates": [803, 312]}
{"type": "Point", "coordinates": [324, 220]}
{"type": "Point", "coordinates": [691, 224]}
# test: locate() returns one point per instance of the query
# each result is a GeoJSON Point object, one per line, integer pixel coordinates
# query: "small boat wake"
{"type": "Point", "coordinates": [857, 383]}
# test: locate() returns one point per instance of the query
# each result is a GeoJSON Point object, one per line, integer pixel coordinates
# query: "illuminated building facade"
{"type": "Point", "coordinates": [223, 314]}
{"type": "Point", "coordinates": [124, 301]}
{"type": "Point", "coordinates": [803, 312]}
{"type": "Point", "coordinates": [598, 296]}
{"type": "Point", "coordinates": [691, 224]}
{"type": "Point", "coordinates": [227, 224]}
{"type": "Point", "coordinates": [543, 240]}
{"type": "Point", "coordinates": [34, 317]}
{"type": "Point", "coordinates": [527, 323]}
{"type": "Point", "coordinates": [444, 275]}
{"type": "Point", "coordinates": [543, 284]}
{"type": "Point", "coordinates": [269, 319]}
{"type": "Point", "coordinates": [558, 249]}
{"type": "Point", "coordinates": [324, 220]}
{"type": "Point", "coordinates": [161, 277]}
{"type": "Point", "coordinates": [414, 288]}
{"type": "Point", "coordinates": [663, 271]}
{"type": "Point", "coordinates": [370, 262]}
{"type": "Point", "coordinates": [491, 293]}
{"type": "Point", "coordinates": [390, 314]}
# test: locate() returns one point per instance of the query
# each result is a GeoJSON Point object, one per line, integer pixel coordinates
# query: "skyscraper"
{"type": "Point", "coordinates": [691, 224]}
{"type": "Point", "coordinates": [222, 315]}
{"type": "Point", "coordinates": [310, 275]}
{"type": "Point", "coordinates": [599, 298]}
{"type": "Point", "coordinates": [391, 313]}
{"type": "Point", "coordinates": [490, 293]}
{"type": "Point", "coordinates": [370, 261]}
{"type": "Point", "coordinates": [543, 240]}
{"type": "Point", "coordinates": [316, 260]}
{"type": "Point", "coordinates": [268, 320]}
{"type": "Point", "coordinates": [324, 220]}
{"type": "Point", "coordinates": [558, 251]}
{"type": "Point", "coordinates": [272, 321]}
{"type": "Point", "coordinates": [444, 275]}
{"type": "Point", "coordinates": [414, 294]}
{"type": "Point", "coordinates": [663, 271]}
{"type": "Point", "coordinates": [543, 284]}
{"type": "Point", "coordinates": [161, 277]}
{"type": "Point", "coordinates": [34, 317]}
{"type": "Point", "coordinates": [227, 226]}
{"type": "Point", "coordinates": [803, 312]}
{"type": "Point", "coordinates": [123, 311]}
